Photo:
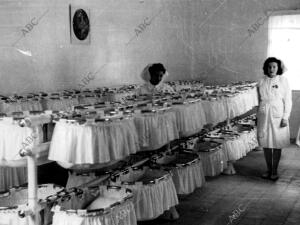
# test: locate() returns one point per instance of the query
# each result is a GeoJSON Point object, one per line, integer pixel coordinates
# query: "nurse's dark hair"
{"type": "Point", "coordinates": [281, 67]}
{"type": "Point", "coordinates": [156, 67]}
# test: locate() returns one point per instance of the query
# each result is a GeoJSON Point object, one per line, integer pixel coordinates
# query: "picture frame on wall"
{"type": "Point", "coordinates": [80, 26]}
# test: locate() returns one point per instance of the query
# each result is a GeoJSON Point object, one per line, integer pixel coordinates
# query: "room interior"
{"type": "Point", "coordinates": [212, 41]}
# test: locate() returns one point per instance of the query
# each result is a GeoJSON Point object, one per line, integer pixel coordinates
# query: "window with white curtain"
{"type": "Point", "coordinates": [284, 43]}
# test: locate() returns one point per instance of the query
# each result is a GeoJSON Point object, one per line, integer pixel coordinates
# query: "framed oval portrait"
{"type": "Point", "coordinates": [80, 25]}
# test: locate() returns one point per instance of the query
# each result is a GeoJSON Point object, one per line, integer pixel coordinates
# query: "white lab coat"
{"type": "Point", "coordinates": [275, 104]}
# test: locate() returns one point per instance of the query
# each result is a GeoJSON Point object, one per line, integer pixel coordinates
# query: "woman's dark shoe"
{"type": "Point", "coordinates": [274, 177]}
{"type": "Point", "coordinates": [169, 216]}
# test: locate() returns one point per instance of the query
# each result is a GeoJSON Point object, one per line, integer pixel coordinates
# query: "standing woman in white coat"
{"type": "Point", "coordinates": [275, 103]}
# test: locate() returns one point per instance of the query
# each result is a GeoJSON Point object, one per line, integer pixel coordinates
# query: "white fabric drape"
{"type": "Point", "coordinates": [150, 200]}
{"type": "Point", "coordinates": [190, 118]}
{"type": "Point", "coordinates": [12, 177]}
{"type": "Point", "coordinates": [156, 129]}
{"type": "Point", "coordinates": [213, 162]}
{"type": "Point", "coordinates": [13, 138]}
{"type": "Point", "coordinates": [187, 179]}
{"type": "Point", "coordinates": [93, 143]}
{"type": "Point", "coordinates": [187, 171]}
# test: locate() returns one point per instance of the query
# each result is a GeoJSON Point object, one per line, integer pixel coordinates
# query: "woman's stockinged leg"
{"type": "Point", "coordinates": [276, 159]}
{"type": "Point", "coordinates": [268, 152]}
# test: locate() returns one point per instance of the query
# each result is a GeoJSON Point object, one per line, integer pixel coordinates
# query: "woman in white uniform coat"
{"type": "Point", "coordinates": [274, 109]}
{"type": "Point", "coordinates": [154, 75]}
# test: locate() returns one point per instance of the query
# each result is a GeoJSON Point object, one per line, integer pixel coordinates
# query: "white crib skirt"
{"type": "Point", "coordinates": [187, 170]}
{"type": "Point", "coordinates": [190, 118]}
{"type": "Point", "coordinates": [12, 177]}
{"type": "Point", "coordinates": [219, 110]}
{"type": "Point", "coordinates": [235, 106]}
{"type": "Point", "coordinates": [93, 143]}
{"type": "Point", "coordinates": [151, 200]}
{"type": "Point", "coordinates": [239, 147]}
{"type": "Point", "coordinates": [156, 129]}
{"type": "Point", "coordinates": [187, 179]}
{"type": "Point", "coordinates": [213, 162]}
{"type": "Point", "coordinates": [215, 111]}
{"type": "Point", "coordinates": [241, 102]}
{"type": "Point", "coordinates": [250, 140]}
{"type": "Point", "coordinates": [234, 149]}
{"type": "Point", "coordinates": [251, 98]}
{"type": "Point", "coordinates": [13, 138]}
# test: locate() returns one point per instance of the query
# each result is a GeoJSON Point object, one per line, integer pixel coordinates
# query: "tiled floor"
{"type": "Point", "coordinates": [245, 198]}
